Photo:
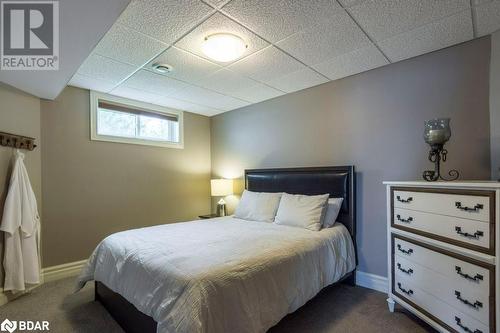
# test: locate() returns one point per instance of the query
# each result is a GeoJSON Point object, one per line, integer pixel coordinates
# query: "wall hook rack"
{"type": "Point", "coordinates": [17, 141]}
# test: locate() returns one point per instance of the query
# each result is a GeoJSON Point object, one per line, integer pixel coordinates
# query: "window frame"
{"type": "Point", "coordinates": [94, 106]}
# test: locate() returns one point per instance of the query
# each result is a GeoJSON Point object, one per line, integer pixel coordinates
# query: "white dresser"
{"type": "Point", "coordinates": [443, 245]}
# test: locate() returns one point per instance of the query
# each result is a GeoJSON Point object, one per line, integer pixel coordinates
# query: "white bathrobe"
{"type": "Point", "coordinates": [21, 225]}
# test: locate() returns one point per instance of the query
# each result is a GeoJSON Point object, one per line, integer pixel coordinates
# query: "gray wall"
{"type": "Point", "coordinates": [373, 120]}
{"type": "Point", "coordinates": [19, 114]}
{"type": "Point", "coordinates": [92, 189]}
{"type": "Point", "coordinates": [495, 105]}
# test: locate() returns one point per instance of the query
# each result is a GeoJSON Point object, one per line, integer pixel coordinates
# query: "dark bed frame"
{"type": "Point", "coordinates": [338, 181]}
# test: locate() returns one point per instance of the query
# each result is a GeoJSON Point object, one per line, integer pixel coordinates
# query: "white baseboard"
{"type": "Point", "coordinates": [372, 281]}
{"type": "Point", "coordinates": [58, 272]}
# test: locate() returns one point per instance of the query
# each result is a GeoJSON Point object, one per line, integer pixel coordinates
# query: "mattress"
{"type": "Point", "coordinates": [220, 275]}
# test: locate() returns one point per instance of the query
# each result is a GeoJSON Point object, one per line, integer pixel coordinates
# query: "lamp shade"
{"type": "Point", "coordinates": [221, 187]}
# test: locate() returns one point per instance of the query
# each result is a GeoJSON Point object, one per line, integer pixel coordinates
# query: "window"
{"type": "Point", "coordinates": [117, 119]}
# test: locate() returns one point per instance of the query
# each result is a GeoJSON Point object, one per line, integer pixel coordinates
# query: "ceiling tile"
{"type": "Point", "coordinates": [165, 20]}
{"type": "Point", "coordinates": [325, 41]}
{"type": "Point", "coordinates": [352, 63]}
{"type": "Point", "coordinates": [350, 3]}
{"type": "Point", "coordinates": [127, 45]}
{"type": "Point", "coordinates": [382, 19]}
{"type": "Point", "coordinates": [135, 94]}
{"type": "Point", "coordinates": [446, 32]}
{"type": "Point", "coordinates": [226, 82]}
{"type": "Point", "coordinates": [186, 66]}
{"type": "Point", "coordinates": [218, 23]}
{"type": "Point", "coordinates": [298, 80]}
{"type": "Point", "coordinates": [481, 2]}
{"type": "Point", "coordinates": [217, 3]}
{"type": "Point", "coordinates": [154, 83]}
{"type": "Point", "coordinates": [187, 106]}
{"type": "Point", "coordinates": [257, 93]}
{"type": "Point", "coordinates": [267, 64]}
{"type": "Point", "coordinates": [278, 19]}
{"type": "Point", "coordinates": [488, 18]}
{"type": "Point", "coordinates": [209, 98]}
{"type": "Point", "coordinates": [103, 68]}
{"type": "Point", "coordinates": [87, 82]}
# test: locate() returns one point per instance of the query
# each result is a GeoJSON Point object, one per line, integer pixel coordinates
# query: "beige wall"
{"type": "Point", "coordinates": [92, 189]}
{"type": "Point", "coordinates": [495, 105]}
{"type": "Point", "coordinates": [19, 114]}
{"type": "Point", "coordinates": [374, 121]}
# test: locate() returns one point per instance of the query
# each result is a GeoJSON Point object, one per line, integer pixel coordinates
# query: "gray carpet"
{"type": "Point", "coordinates": [336, 309]}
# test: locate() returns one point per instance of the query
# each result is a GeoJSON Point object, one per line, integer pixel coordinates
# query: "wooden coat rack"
{"type": "Point", "coordinates": [17, 141]}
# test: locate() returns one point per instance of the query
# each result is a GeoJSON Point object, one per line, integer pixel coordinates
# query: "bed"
{"type": "Point", "coordinates": [227, 274]}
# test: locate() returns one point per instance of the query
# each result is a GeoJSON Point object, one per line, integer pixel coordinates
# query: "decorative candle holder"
{"type": "Point", "coordinates": [437, 132]}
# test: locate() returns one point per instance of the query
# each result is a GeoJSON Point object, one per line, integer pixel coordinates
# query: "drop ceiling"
{"type": "Point", "coordinates": [292, 45]}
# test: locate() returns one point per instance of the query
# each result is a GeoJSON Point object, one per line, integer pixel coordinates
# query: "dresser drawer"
{"type": "Point", "coordinates": [468, 204]}
{"type": "Point", "coordinates": [448, 316]}
{"type": "Point", "coordinates": [461, 271]}
{"type": "Point", "coordinates": [473, 234]}
{"type": "Point", "coordinates": [469, 300]}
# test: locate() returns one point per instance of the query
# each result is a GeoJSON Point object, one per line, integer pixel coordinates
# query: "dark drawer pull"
{"type": "Point", "coordinates": [476, 235]}
{"type": "Point", "coordinates": [476, 208]}
{"type": "Point", "coordinates": [408, 271]}
{"type": "Point", "coordinates": [408, 220]}
{"type": "Point", "coordinates": [475, 305]}
{"type": "Point", "coordinates": [410, 199]}
{"type": "Point", "coordinates": [407, 292]}
{"type": "Point", "coordinates": [409, 251]}
{"type": "Point", "coordinates": [465, 328]}
{"type": "Point", "coordinates": [467, 276]}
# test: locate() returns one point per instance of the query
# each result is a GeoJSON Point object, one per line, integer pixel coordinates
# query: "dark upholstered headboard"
{"type": "Point", "coordinates": [338, 181]}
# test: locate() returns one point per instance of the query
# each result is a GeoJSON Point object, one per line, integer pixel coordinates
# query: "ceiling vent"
{"type": "Point", "coordinates": [162, 68]}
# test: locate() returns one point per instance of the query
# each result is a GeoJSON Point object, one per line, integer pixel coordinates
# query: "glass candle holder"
{"type": "Point", "coordinates": [437, 131]}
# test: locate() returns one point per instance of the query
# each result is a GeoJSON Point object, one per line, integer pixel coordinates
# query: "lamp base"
{"type": "Point", "coordinates": [221, 208]}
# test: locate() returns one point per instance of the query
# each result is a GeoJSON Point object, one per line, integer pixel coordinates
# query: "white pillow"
{"type": "Point", "coordinates": [258, 206]}
{"type": "Point", "coordinates": [332, 211]}
{"type": "Point", "coordinates": [304, 211]}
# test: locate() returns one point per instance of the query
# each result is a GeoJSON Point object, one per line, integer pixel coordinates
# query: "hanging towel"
{"type": "Point", "coordinates": [21, 225]}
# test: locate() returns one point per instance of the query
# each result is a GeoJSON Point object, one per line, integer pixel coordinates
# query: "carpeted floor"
{"type": "Point", "coordinates": [336, 309]}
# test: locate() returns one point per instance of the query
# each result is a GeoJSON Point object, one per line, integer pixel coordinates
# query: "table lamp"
{"type": "Point", "coordinates": [221, 188]}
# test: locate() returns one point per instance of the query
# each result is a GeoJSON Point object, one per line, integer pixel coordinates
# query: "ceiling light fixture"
{"type": "Point", "coordinates": [162, 68]}
{"type": "Point", "coordinates": [223, 47]}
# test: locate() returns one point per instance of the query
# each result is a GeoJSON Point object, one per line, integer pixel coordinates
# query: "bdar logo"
{"type": "Point", "coordinates": [8, 326]}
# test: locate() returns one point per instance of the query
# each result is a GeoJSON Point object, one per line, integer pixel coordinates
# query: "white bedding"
{"type": "Point", "coordinates": [220, 275]}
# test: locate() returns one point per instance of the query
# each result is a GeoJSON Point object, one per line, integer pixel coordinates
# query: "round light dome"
{"type": "Point", "coordinates": [223, 47]}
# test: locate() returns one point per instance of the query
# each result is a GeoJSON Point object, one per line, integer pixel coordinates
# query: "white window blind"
{"type": "Point", "coordinates": [113, 119]}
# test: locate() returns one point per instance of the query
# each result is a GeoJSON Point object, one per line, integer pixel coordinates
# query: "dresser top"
{"type": "Point", "coordinates": [453, 184]}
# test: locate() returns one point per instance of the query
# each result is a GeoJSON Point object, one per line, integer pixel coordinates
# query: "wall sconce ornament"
{"type": "Point", "coordinates": [437, 132]}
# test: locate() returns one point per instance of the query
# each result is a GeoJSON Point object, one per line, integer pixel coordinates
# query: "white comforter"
{"type": "Point", "coordinates": [220, 275]}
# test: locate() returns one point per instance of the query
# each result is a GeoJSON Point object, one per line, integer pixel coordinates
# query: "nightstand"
{"type": "Point", "coordinates": [208, 216]}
